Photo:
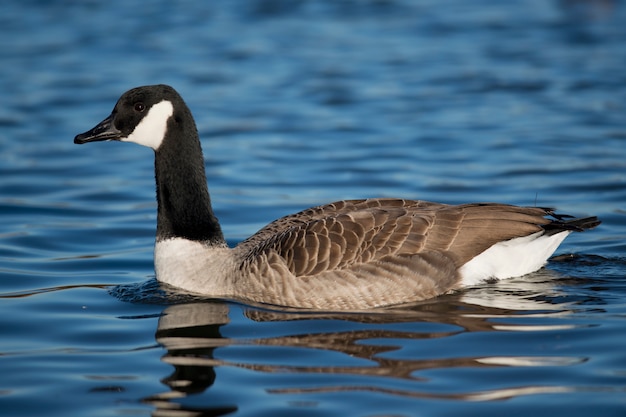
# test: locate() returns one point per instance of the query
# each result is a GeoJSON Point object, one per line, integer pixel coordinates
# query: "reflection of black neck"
{"type": "Point", "coordinates": [192, 331]}
{"type": "Point", "coordinates": [184, 205]}
{"type": "Point", "coordinates": [196, 378]}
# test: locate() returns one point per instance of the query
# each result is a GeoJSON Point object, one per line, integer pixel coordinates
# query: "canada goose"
{"type": "Point", "coordinates": [347, 255]}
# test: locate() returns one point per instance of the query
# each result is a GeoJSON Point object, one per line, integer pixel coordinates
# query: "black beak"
{"type": "Point", "coordinates": [103, 131]}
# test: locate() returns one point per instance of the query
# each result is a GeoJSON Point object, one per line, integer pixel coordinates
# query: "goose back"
{"type": "Point", "coordinates": [375, 252]}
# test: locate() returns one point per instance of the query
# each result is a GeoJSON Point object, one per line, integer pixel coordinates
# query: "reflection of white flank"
{"type": "Point", "coordinates": [531, 360]}
{"type": "Point", "coordinates": [533, 328]}
{"type": "Point", "coordinates": [527, 293]}
{"type": "Point", "coordinates": [503, 394]}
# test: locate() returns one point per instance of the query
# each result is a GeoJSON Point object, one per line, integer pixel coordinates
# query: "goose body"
{"type": "Point", "coordinates": [347, 255]}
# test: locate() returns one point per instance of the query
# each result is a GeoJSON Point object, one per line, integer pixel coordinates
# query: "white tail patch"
{"type": "Point", "coordinates": [151, 129]}
{"type": "Point", "coordinates": [512, 258]}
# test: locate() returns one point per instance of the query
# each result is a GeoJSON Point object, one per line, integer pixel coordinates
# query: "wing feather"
{"type": "Point", "coordinates": [351, 234]}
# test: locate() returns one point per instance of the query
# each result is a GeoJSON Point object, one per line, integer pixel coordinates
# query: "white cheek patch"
{"type": "Point", "coordinates": [151, 130]}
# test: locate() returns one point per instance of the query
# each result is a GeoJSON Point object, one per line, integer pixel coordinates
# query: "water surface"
{"type": "Point", "coordinates": [300, 103]}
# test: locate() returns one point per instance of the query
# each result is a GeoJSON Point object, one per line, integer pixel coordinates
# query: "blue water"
{"type": "Point", "coordinates": [300, 103]}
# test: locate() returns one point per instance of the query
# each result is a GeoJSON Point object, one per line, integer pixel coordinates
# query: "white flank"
{"type": "Point", "coordinates": [151, 129]}
{"type": "Point", "coordinates": [194, 266]}
{"type": "Point", "coordinates": [512, 258]}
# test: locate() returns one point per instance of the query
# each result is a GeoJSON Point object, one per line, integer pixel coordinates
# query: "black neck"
{"type": "Point", "coordinates": [184, 205]}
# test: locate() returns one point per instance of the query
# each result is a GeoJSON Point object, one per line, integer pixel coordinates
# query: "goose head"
{"type": "Point", "coordinates": [141, 116]}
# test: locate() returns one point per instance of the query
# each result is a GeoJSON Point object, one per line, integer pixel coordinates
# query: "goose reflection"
{"type": "Point", "coordinates": [192, 333]}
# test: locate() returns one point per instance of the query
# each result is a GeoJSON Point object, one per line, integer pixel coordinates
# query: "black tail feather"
{"type": "Point", "coordinates": [560, 224]}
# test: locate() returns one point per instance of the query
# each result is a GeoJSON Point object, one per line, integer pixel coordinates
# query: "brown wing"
{"type": "Point", "coordinates": [468, 230]}
{"type": "Point", "coordinates": [345, 233]}
{"type": "Point", "coordinates": [367, 253]}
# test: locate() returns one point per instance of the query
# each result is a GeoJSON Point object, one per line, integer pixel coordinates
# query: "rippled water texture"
{"type": "Point", "coordinates": [300, 103]}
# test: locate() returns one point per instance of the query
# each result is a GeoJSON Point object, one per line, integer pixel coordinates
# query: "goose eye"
{"type": "Point", "coordinates": [140, 107]}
